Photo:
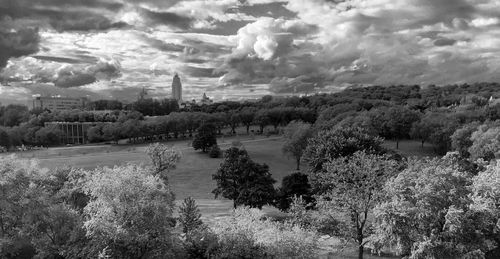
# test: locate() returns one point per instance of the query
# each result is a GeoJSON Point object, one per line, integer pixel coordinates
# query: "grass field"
{"type": "Point", "coordinates": [193, 175]}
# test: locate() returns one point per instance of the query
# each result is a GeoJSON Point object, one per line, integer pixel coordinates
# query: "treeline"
{"type": "Point", "coordinates": [430, 114]}
{"type": "Point", "coordinates": [184, 124]}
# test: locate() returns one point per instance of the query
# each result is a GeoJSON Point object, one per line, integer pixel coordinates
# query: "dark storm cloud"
{"type": "Point", "coordinates": [167, 18]}
{"type": "Point", "coordinates": [200, 72]}
{"type": "Point", "coordinates": [161, 45]}
{"type": "Point", "coordinates": [66, 79]}
{"type": "Point", "coordinates": [63, 15]}
{"type": "Point", "coordinates": [17, 43]}
{"type": "Point", "coordinates": [275, 10]}
{"type": "Point", "coordinates": [78, 59]}
{"type": "Point", "coordinates": [444, 42]}
{"type": "Point", "coordinates": [58, 59]}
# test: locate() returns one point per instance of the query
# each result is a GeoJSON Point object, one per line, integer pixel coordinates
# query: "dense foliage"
{"type": "Point", "coordinates": [244, 181]}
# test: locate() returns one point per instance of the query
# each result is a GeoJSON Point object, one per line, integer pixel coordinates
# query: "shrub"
{"type": "Point", "coordinates": [214, 152]}
{"type": "Point", "coordinates": [246, 235]}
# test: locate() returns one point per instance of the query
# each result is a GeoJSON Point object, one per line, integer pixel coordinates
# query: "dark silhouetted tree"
{"type": "Point", "coordinates": [205, 137]}
{"type": "Point", "coordinates": [244, 181]}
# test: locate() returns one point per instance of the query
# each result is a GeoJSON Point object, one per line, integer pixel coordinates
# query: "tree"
{"type": "Point", "coordinates": [95, 134]}
{"type": "Point", "coordinates": [130, 211]}
{"type": "Point", "coordinates": [33, 213]}
{"type": "Point", "coordinates": [294, 185]}
{"type": "Point", "coordinates": [234, 121]}
{"type": "Point", "coordinates": [189, 215]}
{"type": "Point", "coordinates": [163, 158]}
{"type": "Point", "coordinates": [399, 122]}
{"type": "Point", "coordinates": [461, 139]}
{"type": "Point", "coordinates": [4, 139]}
{"type": "Point", "coordinates": [244, 181]}
{"type": "Point", "coordinates": [262, 119]}
{"type": "Point", "coordinates": [48, 136]}
{"type": "Point", "coordinates": [205, 137]}
{"type": "Point", "coordinates": [416, 203]}
{"type": "Point", "coordinates": [352, 185]}
{"type": "Point", "coordinates": [247, 115]}
{"type": "Point", "coordinates": [485, 142]}
{"type": "Point", "coordinates": [296, 136]}
{"type": "Point", "coordinates": [112, 131]}
{"type": "Point", "coordinates": [335, 143]}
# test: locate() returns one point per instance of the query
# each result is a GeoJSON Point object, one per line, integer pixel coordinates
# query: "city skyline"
{"type": "Point", "coordinates": [233, 49]}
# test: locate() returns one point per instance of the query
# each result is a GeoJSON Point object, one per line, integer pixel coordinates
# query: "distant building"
{"type": "Point", "coordinates": [73, 132]}
{"type": "Point", "coordinates": [205, 100]}
{"type": "Point", "coordinates": [58, 103]}
{"type": "Point", "coordinates": [177, 88]}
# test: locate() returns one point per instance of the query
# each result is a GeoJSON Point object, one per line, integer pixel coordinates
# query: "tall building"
{"type": "Point", "coordinates": [177, 88]}
{"type": "Point", "coordinates": [58, 103]}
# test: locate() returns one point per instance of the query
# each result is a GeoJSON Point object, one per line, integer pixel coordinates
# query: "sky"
{"type": "Point", "coordinates": [237, 49]}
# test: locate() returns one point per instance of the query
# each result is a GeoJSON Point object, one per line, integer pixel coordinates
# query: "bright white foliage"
{"type": "Point", "coordinates": [281, 240]}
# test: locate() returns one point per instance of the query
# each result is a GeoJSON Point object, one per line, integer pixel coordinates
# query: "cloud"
{"type": "Point", "coordinates": [69, 76]}
{"type": "Point", "coordinates": [265, 49]}
{"type": "Point", "coordinates": [166, 18]}
{"type": "Point", "coordinates": [340, 42]}
{"type": "Point", "coordinates": [17, 42]}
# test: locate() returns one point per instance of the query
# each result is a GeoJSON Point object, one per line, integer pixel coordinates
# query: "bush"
{"type": "Point", "coordinates": [246, 235]}
{"type": "Point", "coordinates": [214, 152]}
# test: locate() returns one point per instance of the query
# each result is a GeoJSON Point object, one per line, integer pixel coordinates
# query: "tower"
{"type": "Point", "coordinates": [177, 88]}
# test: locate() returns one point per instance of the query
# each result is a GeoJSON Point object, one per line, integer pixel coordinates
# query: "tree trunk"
{"type": "Point", "coordinates": [360, 252]}
{"type": "Point", "coordinates": [234, 204]}
{"type": "Point", "coordinates": [248, 129]}
{"type": "Point", "coordinates": [422, 144]}
{"type": "Point", "coordinates": [397, 143]}
{"type": "Point", "coordinates": [298, 163]}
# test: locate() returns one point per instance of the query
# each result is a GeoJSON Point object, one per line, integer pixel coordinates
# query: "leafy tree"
{"type": "Point", "coordinates": [417, 202]}
{"type": "Point", "coordinates": [262, 119]}
{"type": "Point", "coordinates": [247, 116]}
{"type": "Point", "coordinates": [294, 185]}
{"type": "Point", "coordinates": [461, 139]}
{"type": "Point", "coordinates": [352, 185]}
{"type": "Point", "coordinates": [422, 130]}
{"type": "Point", "coordinates": [130, 211]}
{"type": "Point", "coordinates": [13, 115]}
{"type": "Point", "coordinates": [189, 215]}
{"type": "Point", "coordinates": [485, 142]}
{"type": "Point", "coordinates": [296, 136]}
{"type": "Point", "coordinates": [94, 134]}
{"type": "Point", "coordinates": [48, 136]}
{"type": "Point", "coordinates": [335, 143]}
{"type": "Point", "coordinates": [4, 139]}
{"type": "Point", "coordinates": [163, 158]}
{"type": "Point", "coordinates": [399, 122]}
{"type": "Point", "coordinates": [112, 131]}
{"type": "Point", "coordinates": [32, 214]}
{"type": "Point", "coordinates": [205, 138]}
{"type": "Point", "coordinates": [244, 181]}
{"type": "Point", "coordinates": [234, 120]}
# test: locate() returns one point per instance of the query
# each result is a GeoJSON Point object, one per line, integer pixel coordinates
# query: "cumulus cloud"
{"type": "Point", "coordinates": [70, 76]}
{"type": "Point", "coordinates": [339, 42]}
